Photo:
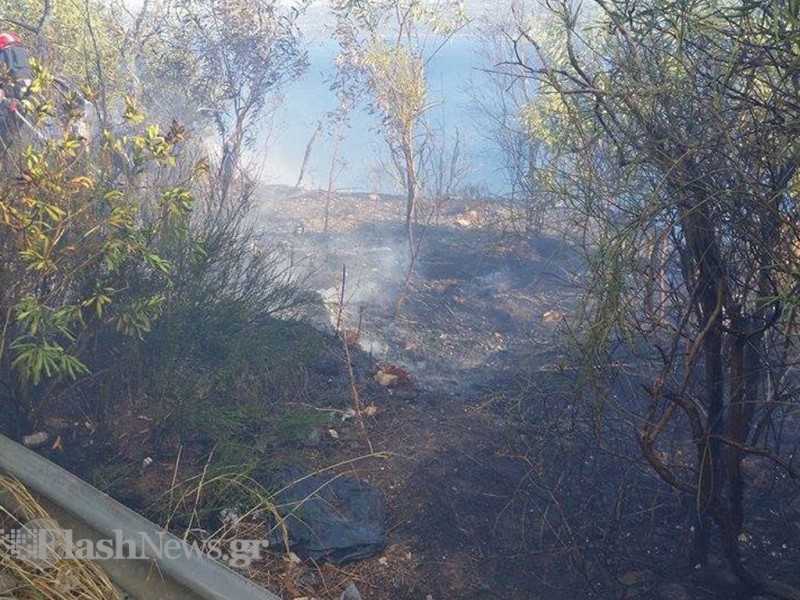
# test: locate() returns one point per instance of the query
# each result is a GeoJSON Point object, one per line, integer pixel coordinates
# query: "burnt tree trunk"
{"type": "Point", "coordinates": [411, 192]}
{"type": "Point", "coordinates": [704, 253]}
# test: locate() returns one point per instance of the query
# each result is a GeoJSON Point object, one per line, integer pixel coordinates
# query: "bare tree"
{"type": "Point", "coordinates": [231, 59]}
{"type": "Point", "coordinates": [388, 45]}
{"type": "Point", "coordinates": [499, 97]}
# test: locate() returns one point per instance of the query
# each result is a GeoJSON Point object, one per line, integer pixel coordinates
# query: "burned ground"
{"type": "Point", "coordinates": [499, 479]}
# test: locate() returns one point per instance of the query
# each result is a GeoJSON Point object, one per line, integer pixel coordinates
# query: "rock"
{"type": "Point", "coordinates": [229, 516]}
{"type": "Point", "coordinates": [350, 592]}
{"type": "Point", "coordinates": [390, 376]}
{"type": "Point", "coordinates": [552, 316]}
{"type": "Point", "coordinates": [673, 591]}
{"type": "Point", "coordinates": [386, 379]}
{"type": "Point", "coordinates": [309, 579]}
{"type": "Point", "coordinates": [468, 219]}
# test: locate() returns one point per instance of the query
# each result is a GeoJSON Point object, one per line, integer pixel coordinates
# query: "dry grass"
{"type": "Point", "coordinates": [58, 579]}
{"type": "Point", "coordinates": [256, 515]}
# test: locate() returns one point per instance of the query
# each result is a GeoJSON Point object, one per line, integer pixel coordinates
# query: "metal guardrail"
{"type": "Point", "coordinates": [92, 515]}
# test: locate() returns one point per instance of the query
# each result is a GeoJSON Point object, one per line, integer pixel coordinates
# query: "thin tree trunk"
{"type": "Point", "coordinates": [703, 247]}
{"type": "Point", "coordinates": [307, 154]}
{"type": "Point", "coordinates": [411, 192]}
{"type": "Point", "coordinates": [331, 175]}
{"type": "Point", "coordinates": [41, 29]}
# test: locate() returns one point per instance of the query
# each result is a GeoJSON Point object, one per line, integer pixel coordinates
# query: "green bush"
{"type": "Point", "coordinates": [124, 268]}
{"type": "Point", "coordinates": [80, 245]}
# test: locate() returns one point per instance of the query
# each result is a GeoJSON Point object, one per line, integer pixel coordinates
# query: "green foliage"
{"type": "Point", "coordinates": [388, 45]}
{"type": "Point", "coordinates": [74, 238]}
{"type": "Point", "coordinates": [216, 64]}
{"type": "Point", "coordinates": [398, 83]}
{"type": "Point", "coordinates": [225, 385]}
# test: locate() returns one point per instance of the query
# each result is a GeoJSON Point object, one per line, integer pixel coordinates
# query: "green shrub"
{"type": "Point", "coordinates": [80, 245]}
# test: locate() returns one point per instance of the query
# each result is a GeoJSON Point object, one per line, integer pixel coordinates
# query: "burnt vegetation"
{"type": "Point", "coordinates": [584, 386]}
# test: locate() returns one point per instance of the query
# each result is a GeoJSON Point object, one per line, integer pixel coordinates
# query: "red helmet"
{"type": "Point", "coordinates": [8, 38]}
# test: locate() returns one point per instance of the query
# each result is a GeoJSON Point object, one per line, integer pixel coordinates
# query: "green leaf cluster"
{"type": "Point", "coordinates": [85, 232]}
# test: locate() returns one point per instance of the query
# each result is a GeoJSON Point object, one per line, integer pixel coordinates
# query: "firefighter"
{"type": "Point", "coordinates": [15, 78]}
{"type": "Point", "coordinates": [15, 70]}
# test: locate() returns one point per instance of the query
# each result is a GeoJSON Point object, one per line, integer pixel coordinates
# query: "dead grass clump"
{"type": "Point", "coordinates": [45, 577]}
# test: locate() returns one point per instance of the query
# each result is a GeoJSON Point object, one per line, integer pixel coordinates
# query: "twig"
{"type": "Point", "coordinates": [351, 376]}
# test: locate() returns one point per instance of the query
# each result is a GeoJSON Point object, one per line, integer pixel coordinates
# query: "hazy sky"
{"type": "Point", "coordinates": [307, 100]}
{"type": "Point", "coordinates": [318, 12]}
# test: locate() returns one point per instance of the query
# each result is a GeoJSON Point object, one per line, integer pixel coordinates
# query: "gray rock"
{"type": "Point", "coordinates": [308, 579]}
{"type": "Point", "coordinates": [35, 440]}
{"type": "Point", "coordinates": [350, 592]}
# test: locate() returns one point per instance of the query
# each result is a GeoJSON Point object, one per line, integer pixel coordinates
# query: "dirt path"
{"type": "Point", "coordinates": [499, 481]}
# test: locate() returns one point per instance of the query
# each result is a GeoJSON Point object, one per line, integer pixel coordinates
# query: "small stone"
{"type": "Point", "coordinates": [386, 379]}
{"type": "Point", "coordinates": [308, 579]}
{"type": "Point", "coordinates": [551, 316]}
{"type": "Point", "coordinates": [350, 592]}
{"type": "Point", "coordinates": [391, 376]}
{"type": "Point", "coordinates": [35, 440]}
{"type": "Point", "coordinates": [229, 516]}
{"type": "Point", "coordinates": [468, 219]}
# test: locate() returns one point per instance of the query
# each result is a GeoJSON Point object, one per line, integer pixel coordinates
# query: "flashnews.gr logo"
{"type": "Point", "coordinates": [39, 543]}
{"type": "Point", "coordinates": [42, 543]}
